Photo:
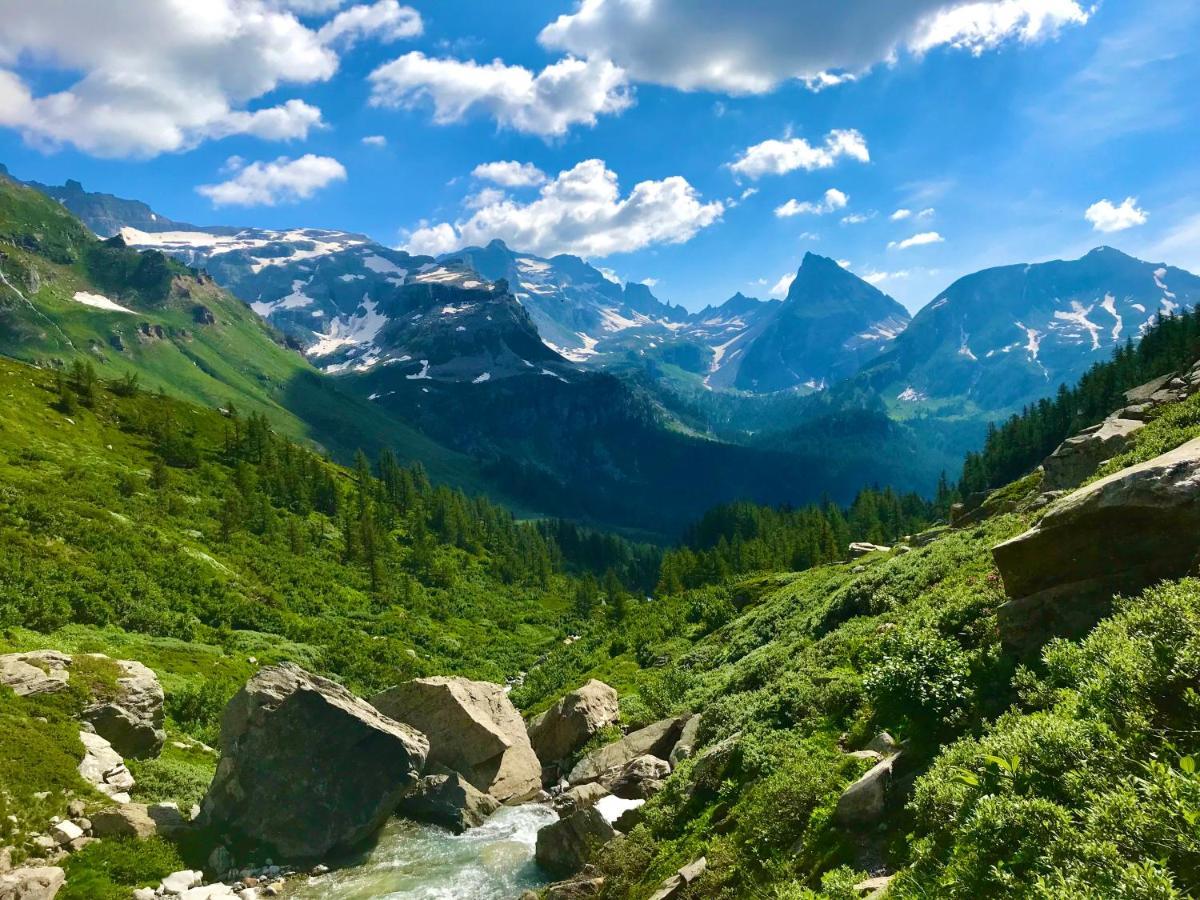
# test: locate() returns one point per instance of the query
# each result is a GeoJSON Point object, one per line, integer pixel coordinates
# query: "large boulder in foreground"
{"type": "Point", "coordinates": [449, 800]}
{"type": "Point", "coordinates": [569, 723]}
{"type": "Point", "coordinates": [472, 728]}
{"type": "Point", "coordinates": [565, 846]}
{"type": "Point", "coordinates": [307, 767]}
{"type": "Point", "coordinates": [1117, 535]}
{"type": "Point", "coordinates": [133, 720]}
{"type": "Point", "coordinates": [32, 883]}
{"type": "Point", "coordinates": [36, 672]}
{"type": "Point", "coordinates": [658, 740]}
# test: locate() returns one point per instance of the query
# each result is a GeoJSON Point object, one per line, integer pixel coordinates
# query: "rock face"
{"type": "Point", "coordinates": [1116, 535]}
{"type": "Point", "coordinates": [688, 738]}
{"type": "Point", "coordinates": [581, 796]}
{"type": "Point", "coordinates": [658, 740]}
{"type": "Point", "coordinates": [448, 800]}
{"type": "Point", "coordinates": [472, 728]}
{"type": "Point", "coordinates": [563, 847]}
{"type": "Point", "coordinates": [1081, 455]}
{"type": "Point", "coordinates": [862, 805]}
{"type": "Point", "coordinates": [38, 883]}
{"type": "Point", "coordinates": [133, 721]}
{"type": "Point", "coordinates": [641, 778]}
{"type": "Point", "coordinates": [306, 766]}
{"type": "Point", "coordinates": [103, 767]}
{"type": "Point", "coordinates": [569, 723]}
{"type": "Point", "coordinates": [39, 672]}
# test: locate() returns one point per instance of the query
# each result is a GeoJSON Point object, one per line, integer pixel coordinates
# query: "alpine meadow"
{"type": "Point", "coordinates": [615, 449]}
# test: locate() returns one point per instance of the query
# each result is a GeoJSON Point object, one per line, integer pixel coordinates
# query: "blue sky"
{"type": "Point", "coordinates": [997, 125]}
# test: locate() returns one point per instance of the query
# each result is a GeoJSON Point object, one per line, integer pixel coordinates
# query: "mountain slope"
{"type": "Point", "coordinates": [1003, 337]}
{"type": "Point", "coordinates": [829, 325]}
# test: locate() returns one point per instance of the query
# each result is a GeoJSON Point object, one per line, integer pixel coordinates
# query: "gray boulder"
{"type": "Point", "coordinates": [673, 886]}
{"type": "Point", "coordinates": [104, 768]}
{"type": "Point", "coordinates": [640, 778]}
{"type": "Point", "coordinates": [863, 804]}
{"type": "Point", "coordinates": [569, 723]}
{"type": "Point", "coordinates": [133, 721]}
{"type": "Point", "coordinates": [137, 820]}
{"type": "Point", "coordinates": [565, 846]}
{"type": "Point", "coordinates": [32, 883]}
{"type": "Point", "coordinates": [862, 548]}
{"type": "Point", "coordinates": [658, 740]}
{"type": "Point", "coordinates": [448, 800]}
{"type": "Point", "coordinates": [581, 796]}
{"type": "Point", "coordinates": [1079, 456]}
{"type": "Point", "coordinates": [689, 736]}
{"type": "Point", "coordinates": [472, 728]}
{"type": "Point", "coordinates": [1117, 535]}
{"type": "Point", "coordinates": [37, 672]}
{"type": "Point", "coordinates": [307, 767]}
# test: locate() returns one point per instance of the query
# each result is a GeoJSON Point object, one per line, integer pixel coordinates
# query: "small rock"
{"type": "Point", "coordinates": [863, 803]}
{"type": "Point", "coordinates": [65, 832]}
{"type": "Point", "coordinates": [178, 882]}
{"type": "Point", "coordinates": [640, 779]}
{"type": "Point", "coordinates": [145, 893]}
{"type": "Point", "coordinates": [681, 879]}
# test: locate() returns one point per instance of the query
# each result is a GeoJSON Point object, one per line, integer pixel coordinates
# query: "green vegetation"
{"type": "Point", "coordinates": [108, 870]}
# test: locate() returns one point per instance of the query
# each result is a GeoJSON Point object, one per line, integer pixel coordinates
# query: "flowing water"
{"type": "Point", "coordinates": [421, 862]}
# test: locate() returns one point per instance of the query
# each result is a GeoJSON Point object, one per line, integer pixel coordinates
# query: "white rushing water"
{"type": "Point", "coordinates": [421, 862]}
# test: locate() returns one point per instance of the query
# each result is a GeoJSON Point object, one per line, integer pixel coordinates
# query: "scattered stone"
{"type": "Point", "coordinates": [76, 809]}
{"type": "Point", "coordinates": [137, 820]}
{"type": "Point", "coordinates": [571, 722]}
{"type": "Point", "coordinates": [581, 796]}
{"type": "Point", "coordinates": [686, 745]}
{"type": "Point", "coordinates": [145, 893]}
{"type": "Point", "coordinates": [658, 740]}
{"type": "Point", "coordinates": [681, 879]}
{"type": "Point", "coordinates": [872, 888]}
{"type": "Point", "coordinates": [307, 767]}
{"type": "Point", "coordinates": [563, 847]}
{"type": "Point", "coordinates": [640, 778]}
{"type": "Point", "coordinates": [1117, 535]}
{"type": "Point", "coordinates": [178, 882]}
{"type": "Point", "coordinates": [65, 832]}
{"type": "Point", "coordinates": [863, 803]}
{"type": "Point", "coordinates": [103, 767]}
{"type": "Point", "coordinates": [32, 883]}
{"type": "Point", "coordinates": [472, 728]}
{"type": "Point", "coordinates": [39, 672]}
{"type": "Point", "coordinates": [586, 885]}
{"type": "Point", "coordinates": [133, 721]}
{"type": "Point", "coordinates": [448, 800]}
{"type": "Point", "coordinates": [883, 744]}
{"type": "Point", "coordinates": [859, 549]}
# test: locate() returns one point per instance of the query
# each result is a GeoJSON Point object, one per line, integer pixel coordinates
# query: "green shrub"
{"type": "Point", "coordinates": [922, 683]}
{"type": "Point", "coordinates": [111, 869]}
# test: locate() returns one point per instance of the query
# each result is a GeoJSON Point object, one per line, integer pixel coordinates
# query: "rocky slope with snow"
{"type": "Point", "coordinates": [1006, 336]}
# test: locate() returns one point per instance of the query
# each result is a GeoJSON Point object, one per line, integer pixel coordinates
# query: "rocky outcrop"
{"type": "Point", "coordinates": [658, 740]}
{"type": "Point", "coordinates": [137, 820]}
{"type": "Point", "coordinates": [37, 672]}
{"type": "Point", "coordinates": [306, 766]}
{"type": "Point", "coordinates": [689, 736]}
{"type": "Point", "coordinates": [569, 723]}
{"type": "Point", "coordinates": [35, 883]}
{"type": "Point", "coordinates": [673, 886]}
{"type": "Point", "coordinates": [104, 768]}
{"type": "Point", "coordinates": [640, 778]}
{"type": "Point", "coordinates": [448, 800]}
{"type": "Point", "coordinates": [565, 846]}
{"type": "Point", "coordinates": [859, 549]}
{"type": "Point", "coordinates": [863, 804]}
{"type": "Point", "coordinates": [1116, 535]}
{"type": "Point", "coordinates": [133, 720]}
{"type": "Point", "coordinates": [472, 728]}
{"type": "Point", "coordinates": [1079, 456]}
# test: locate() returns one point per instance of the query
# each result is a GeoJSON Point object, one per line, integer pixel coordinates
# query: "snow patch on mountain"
{"type": "Point", "coordinates": [1077, 316]}
{"type": "Point", "coordinates": [99, 301]}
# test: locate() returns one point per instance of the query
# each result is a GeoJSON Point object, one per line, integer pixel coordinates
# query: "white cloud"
{"type": "Point", "coordinates": [487, 197]}
{"type": "Point", "coordinates": [857, 218]}
{"type": "Point", "coordinates": [900, 215]}
{"type": "Point", "coordinates": [703, 45]}
{"type": "Point", "coordinates": [878, 278]}
{"type": "Point", "coordinates": [280, 181]}
{"type": "Point", "coordinates": [510, 173]}
{"type": "Point", "coordinates": [1107, 217]}
{"type": "Point", "coordinates": [775, 157]}
{"type": "Point", "coordinates": [918, 240]}
{"type": "Point", "coordinates": [385, 21]}
{"type": "Point", "coordinates": [375, 140]}
{"type": "Point", "coordinates": [780, 288]}
{"type": "Point", "coordinates": [581, 211]}
{"type": "Point", "coordinates": [926, 213]}
{"type": "Point", "coordinates": [833, 200]}
{"type": "Point", "coordinates": [650, 282]}
{"type": "Point", "coordinates": [432, 240]}
{"type": "Point", "coordinates": [568, 92]}
{"type": "Point", "coordinates": [153, 76]}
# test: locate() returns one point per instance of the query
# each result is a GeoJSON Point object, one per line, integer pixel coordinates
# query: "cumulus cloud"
{"type": "Point", "coordinates": [1107, 217]}
{"type": "Point", "coordinates": [776, 157]}
{"type": "Point", "coordinates": [900, 215]}
{"type": "Point", "coordinates": [155, 76]}
{"type": "Point", "coordinates": [429, 239]}
{"type": "Point", "coordinates": [918, 240]}
{"type": "Point", "coordinates": [385, 21]}
{"type": "Point", "coordinates": [280, 181]}
{"type": "Point", "coordinates": [833, 200]}
{"type": "Point", "coordinates": [581, 211]}
{"type": "Point", "coordinates": [510, 173]}
{"type": "Point", "coordinates": [547, 103]}
{"type": "Point", "coordinates": [675, 43]}
{"type": "Point", "coordinates": [780, 288]}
